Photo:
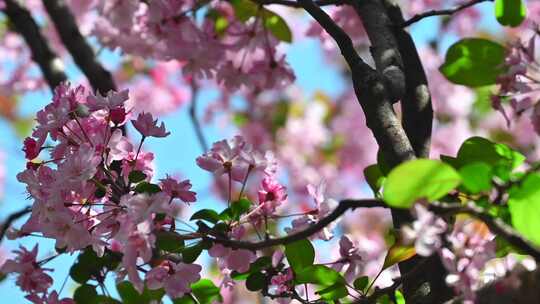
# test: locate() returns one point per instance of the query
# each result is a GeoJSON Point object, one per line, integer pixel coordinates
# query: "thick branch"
{"type": "Point", "coordinates": [300, 235]}
{"type": "Point", "coordinates": [417, 111]}
{"type": "Point", "coordinates": [82, 53]}
{"type": "Point", "coordinates": [443, 12]}
{"type": "Point", "coordinates": [384, 46]}
{"type": "Point", "coordinates": [371, 91]}
{"type": "Point", "coordinates": [10, 219]}
{"type": "Point", "coordinates": [49, 63]}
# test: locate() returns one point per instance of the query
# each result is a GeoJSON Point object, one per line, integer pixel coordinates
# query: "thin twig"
{"type": "Point", "coordinates": [194, 118]}
{"type": "Point", "coordinates": [12, 218]}
{"type": "Point", "coordinates": [443, 12]}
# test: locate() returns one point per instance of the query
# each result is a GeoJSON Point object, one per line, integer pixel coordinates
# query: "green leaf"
{"type": "Point", "coordinates": [136, 176]}
{"type": "Point", "coordinates": [300, 254]}
{"type": "Point", "coordinates": [510, 12]}
{"type": "Point", "coordinates": [398, 253]}
{"type": "Point", "coordinates": [208, 215]}
{"type": "Point", "coordinates": [361, 283]}
{"type": "Point", "coordinates": [244, 9]}
{"type": "Point", "coordinates": [417, 179]}
{"type": "Point", "coordinates": [205, 291]}
{"type": "Point", "coordinates": [256, 281]}
{"type": "Point", "coordinates": [261, 263]}
{"type": "Point", "coordinates": [334, 292]}
{"type": "Point", "coordinates": [130, 295]}
{"type": "Point", "coordinates": [400, 299]}
{"type": "Point", "coordinates": [80, 273]}
{"type": "Point", "coordinates": [476, 177]}
{"type": "Point", "coordinates": [240, 207]}
{"type": "Point", "coordinates": [191, 252]}
{"type": "Point", "coordinates": [85, 294]}
{"type": "Point", "coordinates": [502, 158]}
{"type": "Point", "coordinates": [277, 26]}
{"type": "Point", "coordinates": [318, 274]}
{"type": "Point", "coordinates": [169, 241]}
{"type": "Point", "coordinates": [146, 187]}
{"type": "Point", "coordinates": [524, 206]}
{"type": "Point", "coordinates": [374, 177]}
{"type": "Point", "coordinates": [474, 62]}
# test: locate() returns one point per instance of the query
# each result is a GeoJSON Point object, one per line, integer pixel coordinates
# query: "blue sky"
{"type": "Point", "coordinates": [176, 153]}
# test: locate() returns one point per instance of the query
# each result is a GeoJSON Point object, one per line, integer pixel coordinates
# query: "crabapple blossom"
{"type": "Point", "coordinates": [147, 126]}
{"type": "Point", "coordinates": [425, 231]}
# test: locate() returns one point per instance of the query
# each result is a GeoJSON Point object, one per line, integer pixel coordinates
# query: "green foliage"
{"type": "Point", "coordinates": [89, 265]}
{"type": "Point", "coordinates": [476, 177]}
{"type": "Point", "coordinates": [204, 291]}
{"type": "Point", "coordinates": [500, 157]}
{"type": "Point", "coordinates": [361, 283]}
{"type": "Point", "coordinates": [300, 254]}
{"type": "Point", "coordinates": [136, 176]}
{"type": "Point", "coordinates": [510, 12]}
{"type": "Point", "coordinates": [130, 295]}
{"type": "Point", "coordinates": [85, 294]}
{"type": "Point", "coordinates": [374, 177]}
{"type": "Point", "coordinates": [398, 253]}
{"type": "Point", "coordinates": [418, 179]}
{"type": "Point", "coordinates": [148, 188]}
{"type": "Point", "coordinates": [261, 263]}
{"type": "Point", "coordinates": [256, 281]}
{"type": "Point", "coordinates": [524, 206]}
{"type": "Point", "coordinates": [169, 241]}
{"type": "Point", "coordinates": [474, 62]}
{"type": "Point", "coordinates": [208, 215]}
{"type": "Point", "coordinates": [191, 252]}
{"type": "Point", "coordinates": [275, 24]}
{"type": "Point", "coordinates": [331, 281]}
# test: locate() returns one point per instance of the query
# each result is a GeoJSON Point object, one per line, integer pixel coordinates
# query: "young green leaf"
{"type": "Point", "coordinates": [398, 253]}
{"type": "Point", "coordinates": [510, 12]}
{"type": "Point", "coordinates": [277, 26]}
{"type": "Point", "coordinates": [318, 274]}
{"type": "Point", "coordinates": [474, 62]}
{"type": "Point", "coordinates": [374, 177]}
{"type": "Point", "coordinates": [417, 179]}
{"type": "Point", "coordinates": [169, 241]}
{"type": "Point", "coordinates": [524, 206]}
{"type": "Point", "coordinates": [136, 176]}
{"type": "Point", "coordinates": [208, 215]}
{"type": "Point", "coordinates": [300, 254]}
{"type": "Point", "coordinates": [476, 177]}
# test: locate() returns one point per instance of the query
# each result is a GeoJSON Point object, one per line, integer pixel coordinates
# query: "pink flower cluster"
{"type": "Point", "coordinates": [86, 194]}
{"type": "Point", "coordinates": [31, 278]}
{"type": "Point", "coordinates": [520, 85]}
{"type": "Point", "coordinates": [237, 53]}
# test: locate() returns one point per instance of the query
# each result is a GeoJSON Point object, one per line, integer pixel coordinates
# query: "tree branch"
{"type": "Point", "coordinates": [384, 47]}
{"type": "Point", "coordinates": [11, 218]}
{"type": "Point", "coordinates": [451, 11]}
{"type": "Point", "coordinates": [51, 66]}
{"type": "Point", "coordinates": [417, 111]}
{"type": "Point", "coordinates": [194, 119]}
{"type": "Point", "coordinates": [82, 53]}
{"type": "Point", "coordinates": [371, 91]}
{"type": "Point", "coordinates": [343, 206]}
{"type": "Point", "coordinates": [496, 225]}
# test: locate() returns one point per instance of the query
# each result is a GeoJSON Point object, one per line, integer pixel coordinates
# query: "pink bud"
{"type": "Point", "coordinates": [118, 115]}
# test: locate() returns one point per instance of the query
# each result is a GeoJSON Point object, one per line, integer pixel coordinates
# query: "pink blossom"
{"type": "Point", "coordinates": [175, 278]}
{"type": "Point", "coordinates": [271, 195]}
{"type": "Point", "coordinates": [224, 157]}
{"type": "Point", "coordinates": [425, 232]}
{"type": "Point", "coordinates": [31, 148]}
{"type": "Point", "coordinates": [147, 126]}
{"type": "Point", "coordinates": [31, 277]}
{"type": "Point", "coordinates": [283, 281]}
{"type": "Point", "coordinates": [112, 100]}
{"type": "Point", "coordinates": [178, 189]}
